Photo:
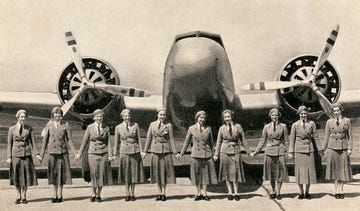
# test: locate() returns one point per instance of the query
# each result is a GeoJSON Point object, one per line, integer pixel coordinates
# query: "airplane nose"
{"type": "Point", "coordinates": [193, 71]}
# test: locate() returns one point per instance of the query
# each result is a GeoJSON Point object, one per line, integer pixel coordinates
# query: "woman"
{"type": "Point", "coordinates": [275, 135]}
{"type": "Point", "coordinates": [56, 138]}
{"type": "Point", "coordinates": [202, 165]}
{"type": "Point", "coordinates": [338, 145]}
{"type": "Point", "coordinates": [127, 137]}
{"type": "Point", "coordinates": [97, 136]}
{"type": "Point", "coordinates": [302, 148]}
{"type": "Point", "coordinates": [161, 140]}
{"type": "Point", "coordinates": [21, 142]}
{"type": "Point", "coordinates": [229, 139]}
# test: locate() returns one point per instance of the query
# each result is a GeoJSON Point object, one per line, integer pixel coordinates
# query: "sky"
{"type": "Point", "coordinates": [135, 37]}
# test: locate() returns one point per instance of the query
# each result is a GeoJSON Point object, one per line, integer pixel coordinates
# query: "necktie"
{"type": "Point", "coordinates": [159, 125]}
{"type": "Point", "coordinates": [200, 129]}
{"type": "Point", "coordinates": [274, 126]}
{"type": "Point", "coordinates": [230, 130]}
{"type": "Point", "coordinates": [21, 129]}
{"type": "Point", "coordinates": [127, 126]}
{"type": "Point", "coordinates": [337, 121]}
{"type": "Point", "coordinates": [303, 124]}
{"type": "Point", "coordinates": [98, 129]}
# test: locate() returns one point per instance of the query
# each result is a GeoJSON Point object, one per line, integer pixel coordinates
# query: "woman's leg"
{"type": "Point", "coordinates": [127, 189]}
{"type": "Point", "coordinates": [93, 192]}
{"type": "Point", "coordinates": [18, 192]}
{"type": "Point", "coordinates": [307, 190]}
{"type": "Point", "coordinates": [272, 183]}
{"type": "Point", "coordinates": [301, 188]}
{"type": "Point", "coordinates": [337, 187]}
{"type": "Point", "coordinates": [236, 189]}
{"type": "Point", "coordinates": [164, 189]}
{"type": "Point", "coordinates": [132, 186]}
{"type": "Point", "coordinates": [278, 187]}
{"type": "Point", "coordinates": [160, 190]}
{"type": "Point", "coordinates": [55, 192]}
{"type": "Point", "coordinates": [99, 192]}
{"type": "Point", "coordinates": [228, 185]}
{"type": "Point", "coordinates": [23, 193]}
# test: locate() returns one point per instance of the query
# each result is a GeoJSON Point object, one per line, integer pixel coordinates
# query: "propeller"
{"type": "Point", "coordinates": [85, 83]}
{"type": "Point", "coordinates": [310, 81]}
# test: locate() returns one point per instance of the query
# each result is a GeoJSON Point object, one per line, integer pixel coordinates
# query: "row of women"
{"type": "Point", "coordinates": [160, 142]}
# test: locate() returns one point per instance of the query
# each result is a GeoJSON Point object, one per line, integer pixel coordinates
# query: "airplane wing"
{"type": "Point", "coordinates": [42, 102]}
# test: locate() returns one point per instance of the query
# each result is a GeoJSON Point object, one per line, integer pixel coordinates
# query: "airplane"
{"type": "Point", "coordinates": [197, 76]}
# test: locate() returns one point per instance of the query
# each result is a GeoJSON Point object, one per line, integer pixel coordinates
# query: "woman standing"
{"type": "Point", "coordinates": [338, 145]}
{"type": "Point", "coordinates": [21, 142]}
{"type": "Point", "coordinates": [229, 139]}
{"type": "Point", "coordinates": [161, 139]}
{"type": "Point", "coordinates": [56, 138]}
{"type": "Point", "coordinates": [275, 135]}
{"type": "Point", "coordinates": [97, 135]}
{"type": "Point", "coordinates": [202, 165]}
{"type": "Point", "coordinates": [127, 137]}
{"type": "Point", "coordinates": [302, 148]}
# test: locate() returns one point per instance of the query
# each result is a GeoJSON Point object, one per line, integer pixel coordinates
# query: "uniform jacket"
{"type": "Point", "coordinates": [98, 143]}
{"type": "Point", "coordinates": [275, 140]}
{"type": "Point", "coordinates": [127, 138]}
{"type": "Point", "coordinates": [338, 137]}
{"type": "Point", "coordinates": [230, 143]}
{"type": "Point", "coordinates": [57, 138]}
{"type": "Point", "coordinates": [20, 145]}
{"type": "Point", "coordinates": [160, 139]}
{"type": "Point", "coordinates": [302, 139]}
{"type": "Point", "coordinates": [202, 142]}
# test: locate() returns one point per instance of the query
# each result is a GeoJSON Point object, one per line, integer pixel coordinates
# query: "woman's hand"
{"type": "Point", "coordinates": [8, 160]}
{"type": "Point", "coordinates": [215, 157]}
{"type": "Point", "coordinates": [178, 156]}
{"type": "Point", "coordinates": [349, 151]}
{"type": "Point", "coordinates": [39, 158]}
{"type": "Point", "coordinates": [77, 156]}
{"type": "Point", "coordinates": [143, 155]}
{"type": "Point", "coordinates": [291, 155]}
{"type": "Point", "coordinates": [252, 154]}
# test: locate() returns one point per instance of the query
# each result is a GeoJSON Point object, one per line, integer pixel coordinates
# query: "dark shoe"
{"type": "Point", "coordinates": [158, 198]}
{"type": "Point", "coordinates": [132, 198]}
{"type": "Point", "coordinates": [92, 199]}
{"type": "Point", "coordinates": [59, 200]}
{"type": "Point", "coordinates": [307, 196]}
{"type": "Point", "coordinates": [198, 198]}
{"type": "Point", "coordinates": [24, 201]}
{"type": "Point", "coordinates": [237, 197]}
{"type": "Point", "coordinates": [17, 201]}
{"type": "Point", "coordinates": [301, 196]}
{"type": "Point", "coordinates": [272, 196]}
{"type": "Point", "coordinates": [98, 199]}
{"type": "Point", "coordinates": [337, 196]}
{"type": "Point", "coordinates": [341, 196]}
{"type": "Point", "coordinates": [127, 198]}
{"type": "Point", "coordinates": [278, 197]}
{"type": "Point", "coordinates": [230, 197]}
{"type": "Point", "coordinates": [163, 198]}
{"type": "Point", "coordinates": [54, 200]}
{"type": "Point", "coordinates": [206, 198]}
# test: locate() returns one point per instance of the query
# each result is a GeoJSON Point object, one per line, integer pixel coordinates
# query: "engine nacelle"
{"type": "Point", "coordinates": [300, 68]}
{"type": "Point", "coordinates": [97, 71]}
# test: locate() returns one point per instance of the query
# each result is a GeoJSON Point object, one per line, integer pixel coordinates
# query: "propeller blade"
{"type": "Point", "coordinates": [75, 54]}
{"type": "Point", "coordinates": [271, 85]}
{"type": "Point", "coordinates": [324, 102]}
{"type": "Point", "coordinates": [324, 54]}
{"type": "Point", "coordinates": [66, 107]}
{"type": "Point", "coordinates": [122, 90]}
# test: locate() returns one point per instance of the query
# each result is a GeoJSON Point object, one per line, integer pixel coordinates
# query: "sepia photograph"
{"type": "Point", "coordinates": [179, 105]}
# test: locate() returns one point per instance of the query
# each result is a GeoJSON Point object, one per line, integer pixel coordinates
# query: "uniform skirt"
{"type": "Point", "coordinates": [131, 169]}
{"type": "Point", "coordinates": [100, 170]}
{"type": "Point", "coordinates": [275, 168]}
{"type": "Point", "coordinates": [22, 171]}
{"type": "Point", "coordinates": [231, 168]}
{"type": "Point", "coordinates": [59, 172]}
{"type": "Point", "coordinates": [338, 165]}
{"type": "Point", "coordinates": [202, 171]}
{"type": "Point", "coordinates": [305, 172]}
{"type": "Point", "coordinates": [162, 169]}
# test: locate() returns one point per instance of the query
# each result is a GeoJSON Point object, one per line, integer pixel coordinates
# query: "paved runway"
{"type": "Point", "coordinates": [180, 197]}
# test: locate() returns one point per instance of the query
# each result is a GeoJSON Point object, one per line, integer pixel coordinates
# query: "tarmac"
{"type": "Point", "coordinates": [254, 196]}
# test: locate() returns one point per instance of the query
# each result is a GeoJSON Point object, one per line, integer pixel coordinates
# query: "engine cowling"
{"type": "Point", "coordinates": [97, 71]}
{"type": "Point", "coordinates": [300, 68]}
